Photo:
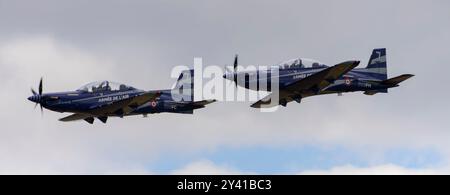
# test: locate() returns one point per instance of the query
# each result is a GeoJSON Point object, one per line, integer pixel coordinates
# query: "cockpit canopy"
{"type": "Point", "coordinates": [301, 63]}
{"type": "Point", "coordinates": [104, 86]}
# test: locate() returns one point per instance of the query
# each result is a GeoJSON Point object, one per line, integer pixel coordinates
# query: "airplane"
{"type": "Point", "coordinates": [109, 99]}
{"type": "Point", "coordinates": [300, 78]}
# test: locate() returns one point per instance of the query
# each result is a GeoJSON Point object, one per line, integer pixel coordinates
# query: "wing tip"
{"type": "Point", "coordinates": [255, 105]}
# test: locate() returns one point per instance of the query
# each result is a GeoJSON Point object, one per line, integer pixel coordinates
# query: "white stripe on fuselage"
{"type": "Point", "coordinates": [301, 74]}
{"type": "Point", "coordinates": [125, 93]}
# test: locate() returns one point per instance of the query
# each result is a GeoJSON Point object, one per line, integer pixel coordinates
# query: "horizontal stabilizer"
{"type": "Point", "coordinates": [185, 112]}
{"type": "Point", "coordinates": [373, 92]}
{"type": "Point", "coordinates": [396, 80]}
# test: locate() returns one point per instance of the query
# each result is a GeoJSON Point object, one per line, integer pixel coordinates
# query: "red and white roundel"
{"type": "Point", "coordinates": [348, 81]}
{"type": "Point", "coordinates": [153, 103]}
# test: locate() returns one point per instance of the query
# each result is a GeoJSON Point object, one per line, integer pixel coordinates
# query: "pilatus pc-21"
{"type": "Point", "coordinates": [300, 78]}
{"type": "Point", "coordinates": [108, 99]}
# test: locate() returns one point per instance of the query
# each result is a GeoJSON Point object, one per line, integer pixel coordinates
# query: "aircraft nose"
{"type": "Point", "coordinates": [228, 76]}
{"type": "Point", "coordinates": [33, 99]}
{"type": "Point", "coordinates": [30, 98]}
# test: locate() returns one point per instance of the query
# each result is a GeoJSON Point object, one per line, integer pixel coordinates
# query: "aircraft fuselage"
{"type": "Point", "coordinates": [83, 102]}
{"type": "Point", "coordinates": [358, 79]}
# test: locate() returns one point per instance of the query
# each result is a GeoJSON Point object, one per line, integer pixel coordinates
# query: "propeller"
{"type": "Point", "coordinates": [37, 96]}
{"type": "Point", "coordinates": [235, 69]}
{"type": "Point", "coordinates": [235, 65]}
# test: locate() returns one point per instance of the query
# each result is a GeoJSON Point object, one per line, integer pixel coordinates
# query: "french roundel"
{"type": "Point", "coordinates": [348, 81]}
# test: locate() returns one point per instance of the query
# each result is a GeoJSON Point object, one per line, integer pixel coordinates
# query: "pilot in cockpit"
{"type": "Point", "coordinates": [107, 87]}
{"type": "Point", "coordinates": [123, 87]}
{"type": "Point", "coordinates": [297, 63]}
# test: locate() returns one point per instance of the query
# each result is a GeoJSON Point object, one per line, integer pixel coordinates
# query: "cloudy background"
{"type": "Point", "coordinates": [71, 43]}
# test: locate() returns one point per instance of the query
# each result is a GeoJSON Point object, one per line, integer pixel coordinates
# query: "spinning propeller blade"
{"type": "Point", "coordinates": [40, 87]}
{"type": "Point", "coordinates": [33, 91]}
{"type": "Point", "coordinates": [235, 65]}
{"type": "Point", "coordinates": [37, 96]}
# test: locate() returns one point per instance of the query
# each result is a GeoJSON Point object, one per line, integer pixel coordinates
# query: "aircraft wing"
{"type": "Point", "coordinates": [322, 79]}
{"type": "Point", "coordinates": [197, 104]}
{"type": "Point", "coordinates": [310, 85]}
{"type": "Point", "coordinates": [75, 117]}
{"type": "Point", "coordinates": [283, 94]}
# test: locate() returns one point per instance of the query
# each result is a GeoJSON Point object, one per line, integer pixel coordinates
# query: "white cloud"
{"type": "Point", "coordinates": [206, 167]}
{"type": "Point", "coordinates": [385, 169]}
{"type": "Point", "coordinates": [27, 58]}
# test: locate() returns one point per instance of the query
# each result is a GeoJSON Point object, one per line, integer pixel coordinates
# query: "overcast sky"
{"type": "Point", "coordinates": [71, 43]}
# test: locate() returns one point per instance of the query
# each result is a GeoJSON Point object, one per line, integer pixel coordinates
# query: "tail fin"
{"type": "Point", "coordinates": [184, 86]}
{"type": "Point", "coordinates": [396, 80]}
{"type": "Point", "coordinates": [377, 63]}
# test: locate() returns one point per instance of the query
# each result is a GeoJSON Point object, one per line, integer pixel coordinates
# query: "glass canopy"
{"type": "Point", "coordinates": [102, 86]}
{"type": "Point", "coordinates": [301, 63]}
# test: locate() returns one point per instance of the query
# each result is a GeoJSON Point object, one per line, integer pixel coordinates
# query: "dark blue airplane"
{"type": "Point", "coordinates": [300, 78]}
{"type": "Point", "coordinates": [108, 99]}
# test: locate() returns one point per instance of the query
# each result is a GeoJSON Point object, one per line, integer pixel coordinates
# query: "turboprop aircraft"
{"type": "Point", "coordinates": [109, 99]}
{"type": "Point", "coordinates": [300, 78]}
